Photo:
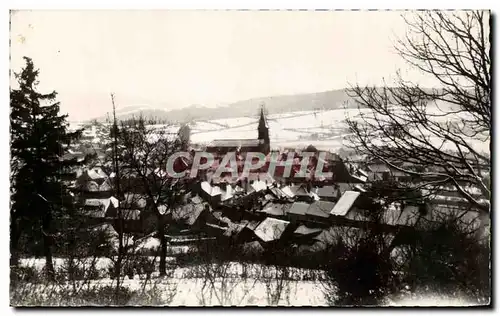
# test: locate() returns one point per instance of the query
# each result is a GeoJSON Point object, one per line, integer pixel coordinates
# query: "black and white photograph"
{"type": "Point", "coordinates": [293, 158]}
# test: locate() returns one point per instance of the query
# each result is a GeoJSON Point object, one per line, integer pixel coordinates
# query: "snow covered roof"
{"type": "Point", "coordinates": [259, 185]}
{"type": "Point", "coordinates": [196, 199]}
{"type": "Point", "coordinates": [363, 173]}
{"type": "Point", "coordinates": [299, 190]}
{"type": "Point", "coordinates": [314, 196]}
{"type": "Point", "coordinates": [274, 209]}
{"type": "Point", "coordinates": [299, 208]}
{"type": "Point", "coordinates": [326, 191]}
{"type": "Point", "coordinates": [320, 209]}
{"type": "Point", "coordinates": [228, 193]}
{"type": "Point", "coordinates": [105, 186]}
{"type": "Point", "coordinates": [345, 203]}
{"type": "Point", "coordinates": [360, 178]}
{"type": "Point", "coordinates": [105, 228]}
{"type": "Point", "coordinates": [99, 206]}
{"type": "Point", "coordinates": [162, 209]}
{"type": "Point", "coordinates": [253, 247]}
{"type": "Point", "coordinates": [235, 143]}
{"type": "Point", "coordinates": [188, 213]}
{"type": "Point", "coordinates": [160, 173]}
{"type": "Point", "coordinates": [359, 188]}
{"type": "Point", "coordinates": [233, 229]}
{"type": "Point", "coordinates": [114, 201]}
{"type": "Point", "coordinates": [288, 191]}
{"type": "Point", "coordinates": [92, 186]}
{"type": "Point", "coordinates": [271, 229]}
{"type": "Point", "coordinates": [304, 230]}
{"type": "Point", "coordinates": [148, 242]}
{"type": "Point", "coordinates": [96, 173]}
{"type": "Point", "coordinates": [210, 190]}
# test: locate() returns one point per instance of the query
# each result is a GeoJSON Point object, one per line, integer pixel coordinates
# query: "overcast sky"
{"type": "Point", "coordinates": [171, 59]}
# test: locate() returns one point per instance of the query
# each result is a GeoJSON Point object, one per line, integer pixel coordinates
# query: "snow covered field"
{"type": "Point", "coordinates": [288, 129]}
{"type": "Point", "coordinates": [326, 130]}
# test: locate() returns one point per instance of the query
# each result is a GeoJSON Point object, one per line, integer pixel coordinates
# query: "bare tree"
{"type": "Point", "coordinates": [144, 156]}
{"type": "Point", "coordinates": [432, 134]}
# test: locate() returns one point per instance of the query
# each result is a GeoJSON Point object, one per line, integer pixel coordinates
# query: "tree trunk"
{"type": "Point", "coordinates": [163, 250]}
{"type": "Point", "coordinates": [47, 242]}
{"type": "Point", "coordinates": [120, 257]}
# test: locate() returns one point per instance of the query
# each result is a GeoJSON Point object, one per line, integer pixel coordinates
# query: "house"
{"type": "Point", "coordinates": [100, 208]}
{"type": "Point", "coordinates": [94, 183]}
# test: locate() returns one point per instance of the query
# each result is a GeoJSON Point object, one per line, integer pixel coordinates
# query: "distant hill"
{"type": "Point", "coordinates": [328, 100]}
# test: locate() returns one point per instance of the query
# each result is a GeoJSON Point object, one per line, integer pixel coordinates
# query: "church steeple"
{"type": "Point", "coordinates": [263, 130]}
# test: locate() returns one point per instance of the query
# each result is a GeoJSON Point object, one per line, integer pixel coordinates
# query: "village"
{"type": "Point", "coordinates": [259, 210]}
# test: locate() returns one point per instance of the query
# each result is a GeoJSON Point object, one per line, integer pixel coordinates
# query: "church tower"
{"type": "Point", "coordinates": [263, 130]}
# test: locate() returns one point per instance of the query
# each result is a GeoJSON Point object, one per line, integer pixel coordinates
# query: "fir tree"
{"type": "Point", "coordinates": [39, 174]}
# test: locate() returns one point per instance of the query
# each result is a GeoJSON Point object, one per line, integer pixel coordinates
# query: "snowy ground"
{"type": "Point", "coordinates": [227, 284]}
{"type": "Point", "coordinates": [221, 285]}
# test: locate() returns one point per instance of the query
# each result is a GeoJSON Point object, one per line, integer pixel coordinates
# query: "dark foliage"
{"type": "Point", "coordinates": [39, 174]}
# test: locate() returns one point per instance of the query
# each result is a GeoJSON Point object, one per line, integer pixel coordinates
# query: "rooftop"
{"type": "Point", "coordinates": [345, 203]}
{"type": "Point", "coordinates": [235, 142]}
{"type": "Point", "coordinates": [271, 229]}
